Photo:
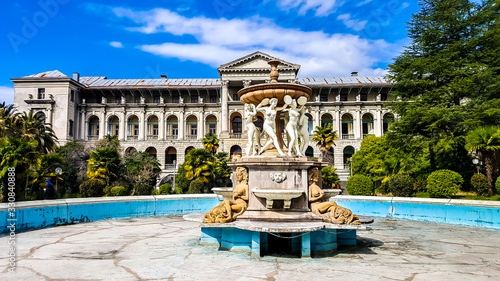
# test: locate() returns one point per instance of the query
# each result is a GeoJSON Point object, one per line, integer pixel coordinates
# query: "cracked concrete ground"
{"type": "Point", "coordinates": [167, 248]}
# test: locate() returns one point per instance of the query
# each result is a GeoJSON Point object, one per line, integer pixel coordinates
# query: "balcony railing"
{"type": "Point", "coordinates": [191, 137]}
{"type": "Point", "coordinates": [171, 137]}
{"type": "Point", "coordinates": [347, 166]}
{"type": "Point", "coordinates": [152, 137]}
{"type": "Point", "coordinates": [347, 136]}
{"type": "Point", "coordinates": [132, 137]}
{"type": "Point", "coordinates": [235, 135]}
{"type": "Point", "coordinates": [170, 166]}
{"type": "Point", "coordinates": [93, 138]}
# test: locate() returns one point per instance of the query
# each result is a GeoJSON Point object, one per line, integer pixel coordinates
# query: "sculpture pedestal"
{"type": "Point", "coordinates": [277, 187]}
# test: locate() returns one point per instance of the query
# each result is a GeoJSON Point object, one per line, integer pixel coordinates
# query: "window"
{"type": "Point", "coordinates": [383, 97]}
{"type": "Point", "coordinates": [113, 126]}
{"type": "Point", "coordinates": [175, 98]}
{"type": "Point", "coordinates": [193, 129]}
{"type": "Point", "coordinates": [137, 100]}
{"type": "Point", "coordinates": [343, 97]}
{"type": "Point", "coordinates": [212, 128]}
{"type": "Point", "coordinates": [153, 126]}
{"type": "Point", "coordinates": [236, 97]}
{"type": "Point", "coordinates": [363, 97]}
{"type": "Point", "coordinates": [118, 100]}
{"type": "Point", "coordinates": [213, 99]}
{"type": "Point", "coordinates": [237, 125]}
{"type": "Point", "coordinates": [259, 123]}
{"type": "Point", "coordinates": [323, 97]}
{"type": "Point", "coordinates": [41, 93]}
{"type": "Point", "coordinates": [175, 130]}
{"type": "Point", "coordinates": [194, 99]}
{"type": "Point", "coordinates": [93, 126]}
{"type": "Point", "coordinates": [156, 99]}
{"type": "Point", "coordinates": [72, 95]}
{"type": "Point", "coordinates": [70, 128]}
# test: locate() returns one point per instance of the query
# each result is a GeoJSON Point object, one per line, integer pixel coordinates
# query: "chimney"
{"type": "Point", "coordinates": [76, 76]}
{"type": "Point", "coordinates": [354, 73]}
{"type": "Point", "coordinates": [163, 76]}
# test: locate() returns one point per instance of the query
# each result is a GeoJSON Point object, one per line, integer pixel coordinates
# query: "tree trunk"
{"type": "Point", "coordinates": [488, 161]}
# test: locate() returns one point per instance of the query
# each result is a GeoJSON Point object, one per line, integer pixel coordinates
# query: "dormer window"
{"type": "Point", "coordinates": [41, 93]}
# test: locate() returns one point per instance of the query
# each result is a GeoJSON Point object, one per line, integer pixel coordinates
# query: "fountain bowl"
{"type": "Point", "coordinates": [256, 93]}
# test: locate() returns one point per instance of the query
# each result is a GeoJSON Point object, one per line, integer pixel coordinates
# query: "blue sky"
{"type": "Point", "coordinates": [191, 38]}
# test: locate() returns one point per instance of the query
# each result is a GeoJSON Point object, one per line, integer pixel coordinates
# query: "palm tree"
{"type": "Point", "coordinates": [199, 165]}
{"type": "Point", "coordinates": [211, 143]}
{"type": "Point", "coordinates": [485, 141]}
{"type": "Point", "coordinates": [7, 118]}
{"type": "Point", "coordinates": [324, 138]}
{"type": "Point", "coordinates": [32, 126]}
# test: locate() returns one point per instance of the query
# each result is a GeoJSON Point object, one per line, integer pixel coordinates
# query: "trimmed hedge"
{"type": "Point", "coordinates": [444, 183]}
{"type": "Point", "coordinates": [497, 185]}
{"type": "Point", "coordinates": [479, 183]}
{"type": "Point", "coordinates": [401, 185]}
{"type": "Point", "coordinates": [196, 186]}
{"type": "Point", "coordinates": [360, 185]}
{"type": "Point", "coordinates": [119, 191]}
{"type": "Point", "coordinates": [92, 188]}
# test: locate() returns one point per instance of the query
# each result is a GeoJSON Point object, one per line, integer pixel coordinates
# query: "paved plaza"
{"type": "Point", "coordinates": [167, 248]}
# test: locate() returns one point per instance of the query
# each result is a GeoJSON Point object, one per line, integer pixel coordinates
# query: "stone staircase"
{"type": "Point", "coordinates": [343, 176]}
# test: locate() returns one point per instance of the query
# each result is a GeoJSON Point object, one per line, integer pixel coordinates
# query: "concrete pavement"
{"type": "Point", "coordinates": [167, 248]}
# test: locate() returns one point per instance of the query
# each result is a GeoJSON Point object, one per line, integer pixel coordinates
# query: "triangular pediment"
{"type": "Point", "coordinates": [257, 61]}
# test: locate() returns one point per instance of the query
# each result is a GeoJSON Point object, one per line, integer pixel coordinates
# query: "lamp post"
{"type": "Point", "coordinates": [476, 162]}
{"type": "Point", "coordinates": [59, 172]}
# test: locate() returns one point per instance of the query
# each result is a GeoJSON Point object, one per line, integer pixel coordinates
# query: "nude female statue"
{"type": "Point", "coordinates": [252, 130]}
{"type": "Point", "coordinates": [228, 210]}
{"type": "Point", "coordinates": [303, 130]}
{"type": "Point", "coordinates": [270, 123]}
{"type": "Point", "coordinates": [292, 128]}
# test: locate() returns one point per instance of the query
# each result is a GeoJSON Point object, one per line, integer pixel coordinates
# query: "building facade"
{"type": "Point", "coordinates": [168, 117]}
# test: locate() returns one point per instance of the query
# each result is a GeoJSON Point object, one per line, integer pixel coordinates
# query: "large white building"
{"type": "Point", "coordinates": [168, 117]}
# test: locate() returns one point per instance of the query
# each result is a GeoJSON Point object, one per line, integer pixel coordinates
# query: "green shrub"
{"type": "Point", "coordinates": [444, 183]}
{"type": "Point", "coordinates": [479, 184]}
{"type": "Point", "coordinates": [329, 176]}
{"type": "Point", "coordinates": [166, 189]}
{"type": "Point", "coordinates": [360, 185]}
{"type": "Point", "coordinates": [401, 185]}
{"type": "Point", "coordinates": [119, 191]}
{"type": "Point", "coordinates": [143, 189]}
{"type": "Point", "coordinates": [92, 188]}
{"type": "Point", "coordinates": [196, 186]}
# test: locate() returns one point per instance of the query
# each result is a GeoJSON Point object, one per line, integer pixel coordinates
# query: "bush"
{"type": "Point", "coordinates": [329, 177]}
{"type": "Point", "coordinates": [143, 189]}
{"type": "Point", "coordinates": [479, 184]}
{"type": "Point", "coordinates": [444, 183]}
{"type": "Point", "coordinates": [401, 185]}
{"type": "Point", "coordinates": [360, 185]}
{"type": "Point", "coordinates": [196, 186]}
{"type": "Point", "coordinates": [92, 188]}
{"type": "Point", "coordinates": [497, 185]}
{"type": "Point", "coordinates": [119, 191]}
{"type": "Point", "coordinates": [165, 189]}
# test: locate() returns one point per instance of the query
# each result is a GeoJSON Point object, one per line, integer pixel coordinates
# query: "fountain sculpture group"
{"type": "Point", "coordinates": [277, 189]}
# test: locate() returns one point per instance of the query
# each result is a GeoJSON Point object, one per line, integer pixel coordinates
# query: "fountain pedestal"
{"type": "Point", "coordinates": [277, 187]}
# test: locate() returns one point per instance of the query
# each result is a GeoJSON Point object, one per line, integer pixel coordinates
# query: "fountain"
{"type": "Point", "coordinates": [278, 189]}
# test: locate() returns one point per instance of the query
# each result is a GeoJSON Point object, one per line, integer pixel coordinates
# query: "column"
{"type": "Point", "coordinates": [224, 106]}
{"type": "Point", "coordinates": [123, 126]}
{"type": "Point", "coordinates": [142, 125]}
{"type": "Point", "coordinates": [102, 125]}
{"type": "Point", "coordinates": [378, 123]}
{"type": "Point", "coordinates": [201, 126]}
{"type": "Point", "coordinates": [161, 125]}
{"type": "Point", "coordinates": [180, 125]}
{"type": "Point", "coordinates": [317, 120]}
{"type": "Point", "coordinates": [337, 122]}
{"type": "Point", "coordinates": [82, 123]}
{"type": "Point", "coordinates": [357, 125]}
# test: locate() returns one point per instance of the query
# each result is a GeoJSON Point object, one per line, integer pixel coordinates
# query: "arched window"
{"type": "Point", "coordinates": [348, 152]}
{"type": "Point", "coordinates": [113, 125]}
{"type": "Point", "coordinates": [151, 150]}
{"type": "Point", "coordinates": [367, 124]}
{"type": "Point", "coordinates": [192, 127]}
{"type": "Point", "coordinates": [236, 125]}
{"type": "Point", "coordinates": [130, 150]}
{"type": "Point", "coordinates": [388, 119]}
{"type": "Point", "coordinates": [153, 127]}
{"type": "Point", "coordinates": [347, 130]}
{"type": "Point", "coordinates": [172, 127]}
{"type": "Point", "coordinates": [326, 119]}
{"type": "Point", "coordinates": [259, 123]}
{"type": "Point", "coordinates": [235, 151]}
{"type": "Point", "coordinates": [133, 127]}
{"type": "Point", "coordinates": [171, 157]}
{"type": "Point", "coordinates": [93, 127]}
{"type": "Point", "coordinates": [211, 124]}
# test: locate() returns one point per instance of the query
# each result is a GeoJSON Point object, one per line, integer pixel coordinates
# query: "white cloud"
{"type": "Point", "coordinates": [7, 95]}
{"type": "Point", "coordinates": [363, 3]}
{"type": "Point", "coordinates": [223, 40]}
{"type": "Point", "coordinates": [116, 44]}
{"type": "Point", "coordinates": [351, 23]}
{"type": "Point", "coordinates": [322, 7]}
